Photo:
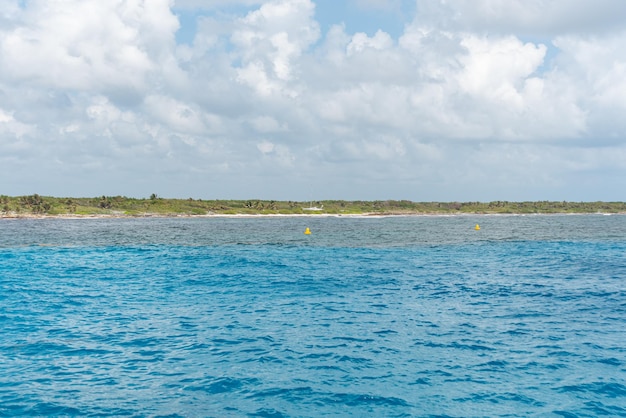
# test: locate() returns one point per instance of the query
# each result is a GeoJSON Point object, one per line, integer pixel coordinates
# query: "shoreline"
{"type": "Point", "coordinates": [36, 206]}
{"type": "Point", "coordinates": [370, 215]}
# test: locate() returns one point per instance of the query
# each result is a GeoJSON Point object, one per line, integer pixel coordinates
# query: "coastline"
{"type": "Point", "coordinates": [31, 216]}
{"type": "Point", "coordinates": [36, 206]}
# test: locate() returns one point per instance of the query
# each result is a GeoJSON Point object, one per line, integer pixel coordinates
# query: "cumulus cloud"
{"type": "Point", "coordinates": [534, 18]}
{"type": "Point", "coordinates": [270, 40]}
{"type": "Point", "coordinates": [487, 99]}
{"type": "Point", "coordinates": [213, 4]}
{"type": "Point", "coordinates": [87, 46]}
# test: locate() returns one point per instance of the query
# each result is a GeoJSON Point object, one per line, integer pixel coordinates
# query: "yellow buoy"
{"type": "Point", "coordinates": [307, 231]}
{"type": "Point", "coordinates": [477, 227]}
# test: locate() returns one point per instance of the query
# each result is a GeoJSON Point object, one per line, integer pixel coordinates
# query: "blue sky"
{"type": "Point", "coordinates": [294, 99]}
{"type": "Point", "coordinates": [367, 17]}
{"type": "Point", "coordinates": [353, 16]}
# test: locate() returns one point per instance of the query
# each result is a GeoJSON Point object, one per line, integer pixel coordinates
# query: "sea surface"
{"type": "Point", "coordinates": [365, 317]}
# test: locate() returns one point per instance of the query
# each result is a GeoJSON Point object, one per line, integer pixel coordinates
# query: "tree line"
{"type": "Point", "coordinates": [36, 204]}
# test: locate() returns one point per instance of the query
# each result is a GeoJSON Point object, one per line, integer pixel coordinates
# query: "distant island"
{"type": "Point", "coordinates": [120, 206]}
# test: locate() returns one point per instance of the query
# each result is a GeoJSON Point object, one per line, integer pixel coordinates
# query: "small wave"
{"type": "Point", "coordinates": [354, 339]}
{"type": "Point", "coordinates": [50, 409]}
{"type": "Point", "coordinates": [421, 381]}
{"type": "Point", "coordinates": [493, 365]}
{"type": "Point", "coordinates": [359, 400]}
{"type": "Point", "coordinates": [611, 361]}
{"type": "Point", "coordinates": [307, 394]}
{"type": "Point", "coordinates": [317, 355]}
{"type": "Point", "coordinates": [352, 359]}
{"type": "Point", "coordinates": [267, 413]}
{"type": "Point", "coordinates": [472, 347]}
{"type": "Point", "coordinates": [222, 385]}
{"type": "Point", "coordinates": [611, 390]}
{"type": "Point", "coordinates": [385, 332]}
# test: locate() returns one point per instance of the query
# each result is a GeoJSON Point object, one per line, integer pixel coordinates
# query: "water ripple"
{"type": "Point", "coordinates": [378, 317]}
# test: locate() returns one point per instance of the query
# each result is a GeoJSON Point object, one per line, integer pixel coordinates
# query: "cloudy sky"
{"type": "Point", "coordinates": [423, 100]}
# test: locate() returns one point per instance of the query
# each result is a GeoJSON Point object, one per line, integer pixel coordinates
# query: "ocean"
{"type": "Point", "coordinates": [417, 316]}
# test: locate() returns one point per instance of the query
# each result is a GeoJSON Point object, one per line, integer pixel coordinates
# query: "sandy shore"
{"type": "Point", "coordinates": [175, 215]}
{"type": "Point", "coordinates": [272, 215]}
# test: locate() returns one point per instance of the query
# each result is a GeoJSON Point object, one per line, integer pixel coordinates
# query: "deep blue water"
{"type": "Point", "coordinates": [399, 316]}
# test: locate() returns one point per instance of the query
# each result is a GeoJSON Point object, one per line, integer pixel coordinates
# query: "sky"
{"type": "Point", "coordinates": [423, 100]}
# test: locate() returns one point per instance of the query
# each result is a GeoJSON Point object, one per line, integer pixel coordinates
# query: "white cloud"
{"type": "Point", "coordinates": [175, 116]}
{"type": "Point", "coordinates": [278, 156]}
{"type": "Point", "coordinates": [5, 117]}
{"type": "Point", "coordinates": [87, 45]}
{"type": "Point", "coordinates": [9, 9]}
{"type": "Point", "coordinates": [271, 39]}
{"type": "Point", "coordinates": [265, 147]}
{"type": "Point", "coordinates": [13, 128]}
{"type": "Point", "coordinates": [536, 18]}
{"type": "Point", "coordinates": [267, 124]}
{"type": "Point", "coordinates": [497, 68]}
{"type": "Point", "coordinates": [475, 99]}
{"type": "Point", "coordinates": [360, 41]}
{"type": "Point", "coordinates": [103, 112]}
{"type": "Point", "coordinates": [213, 4]}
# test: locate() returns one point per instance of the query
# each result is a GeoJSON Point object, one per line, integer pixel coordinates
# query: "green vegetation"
{"type": "Point", "coordinates": [157, 206]}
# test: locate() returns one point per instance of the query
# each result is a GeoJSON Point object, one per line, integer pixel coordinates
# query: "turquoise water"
{"type": "Point", "coordinates": [399, 316]}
